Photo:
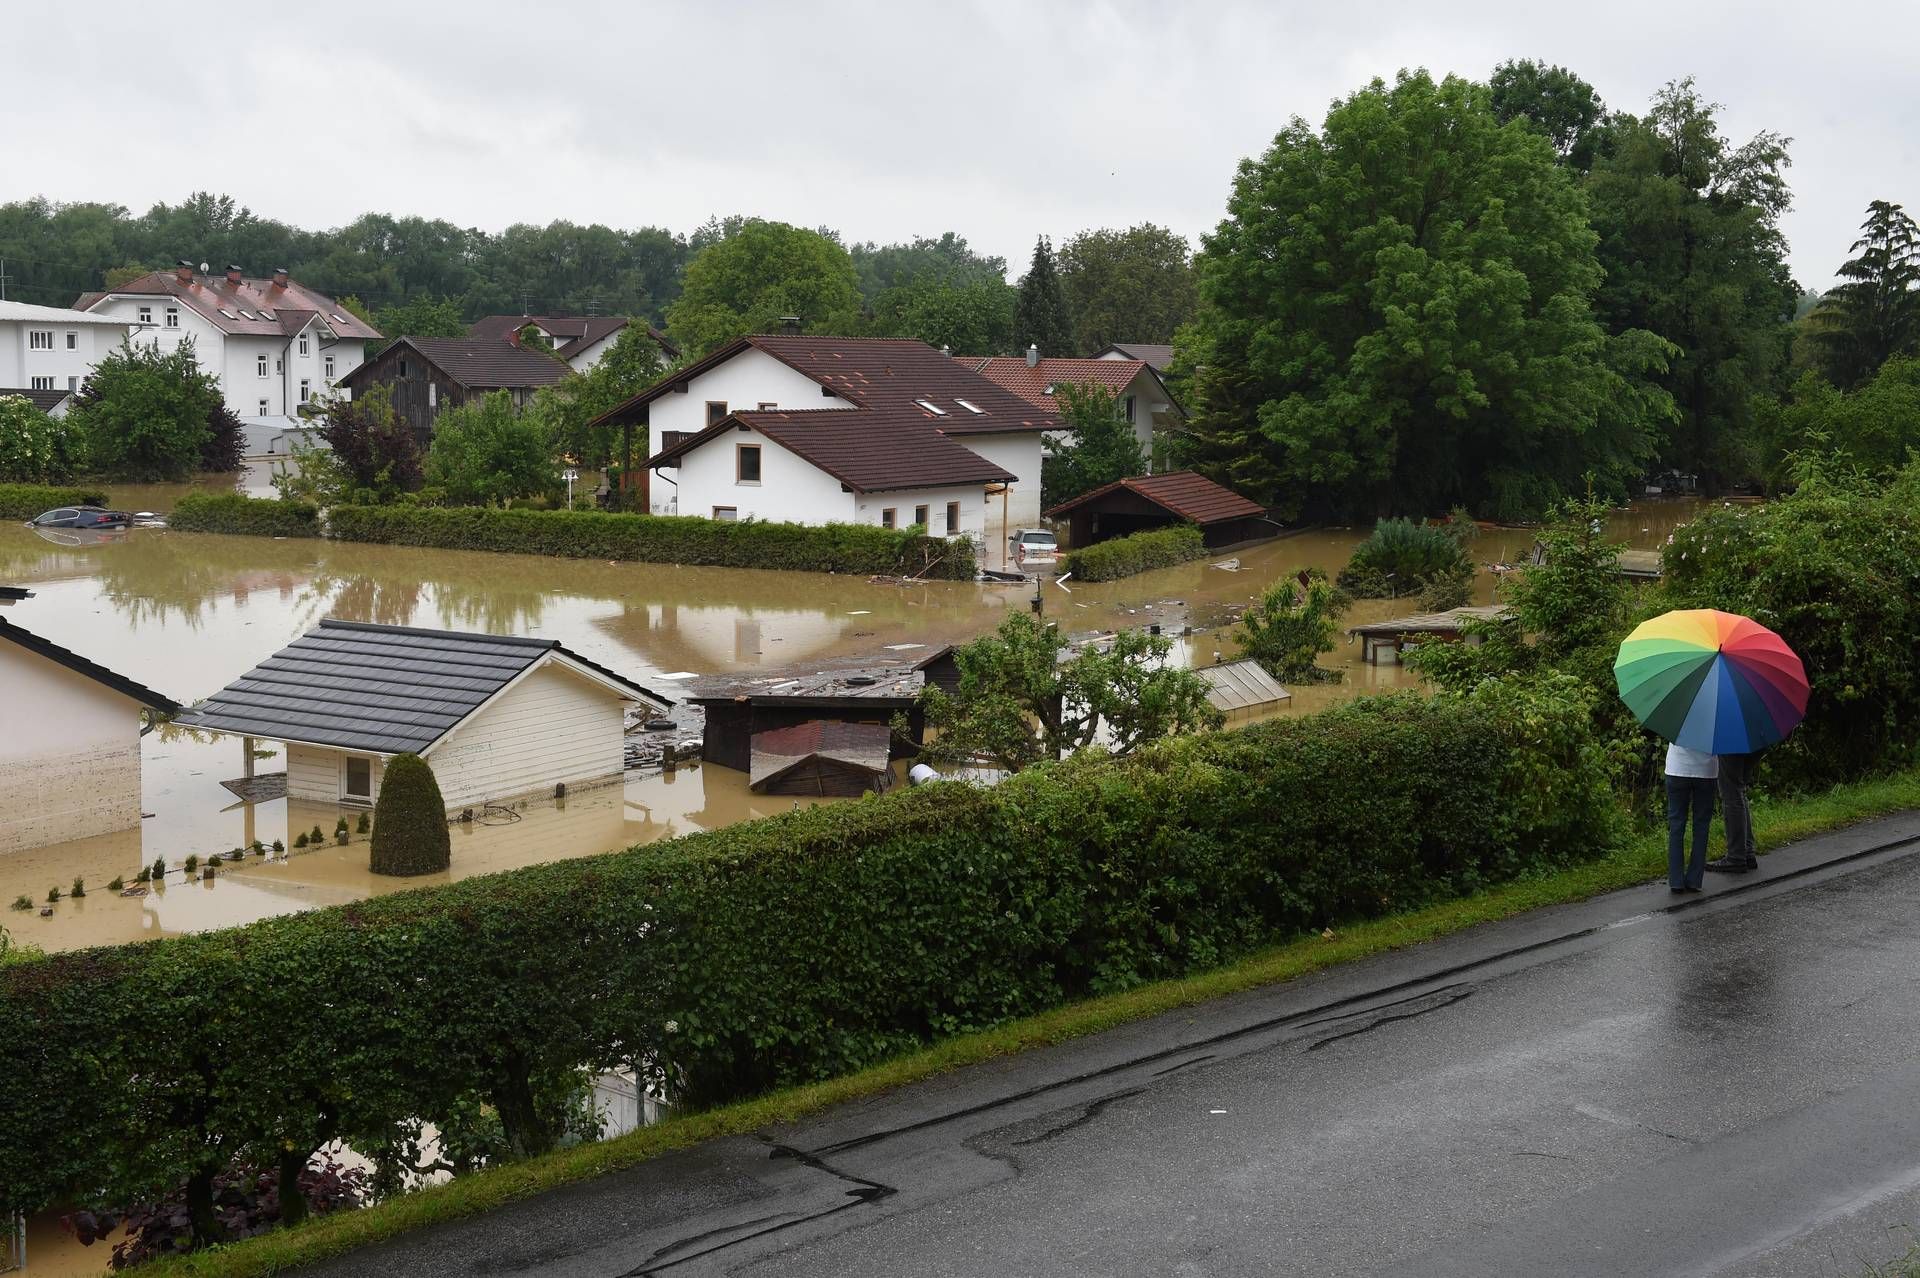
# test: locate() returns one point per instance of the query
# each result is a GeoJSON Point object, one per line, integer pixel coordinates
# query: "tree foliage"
{"type": "Point", "coordinates": [762, 272]}
{"type": "Point", "coordinates": [1022, 699]}
{"type": "Point", "coordinates": [1132, 285]}
{"type": "Point", "coordinates": [1554, 102]}
{"type": "Point", "coordinates": [1875, 314]}
{"type": "Point", "coordinates": [1398, 316]}
{"type": "Point", "coordinates": [1295, 620]}
{"type": "Point", "coordinates": [409, 820]}
{"type": "Point", "coordinates": [1875, 426]}
{"type": "Point", "coordinates": [36, 448]}
{"type": "Point", "coordinates": [371, 455]}
{"type": "Point", "coordinates": [421, 317]}
{"type": "Point", "coordinates": [632, 362]}
{"type": "Point", "coordinates": [1405, 557]}
{"type": "Point", "coordinates": [145, 414]}
{"type": "Point", "coordinates": [225, 448]}
{"type": "Point", "coordinates": [1040, 313]}
{"type": "Point", "coordinates": [1100, 448]}
{"type": "Point", "coordinates": [487, 452]}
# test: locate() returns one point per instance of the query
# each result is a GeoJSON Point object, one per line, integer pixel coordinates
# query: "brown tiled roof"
{"type": "Point", "coordinates": [291, 305]}
{"type": "Point", "coordinates": [876, 373]}
{"type": "Point", "coordinates": [870, 452]}
{"type": "Point", "coordinates": [478, 363]}
{"type": "Point", "coordinates": [1181, 492]}
{"type": "Point", "coordinates": [1158, 357]}
{"type": "Point", "coordinates": [578, 331]}
{"type": "Point", "coordinates": [1033, 383]}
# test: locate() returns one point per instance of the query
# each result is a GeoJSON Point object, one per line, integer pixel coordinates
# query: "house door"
{"type": "Point", "coordinates": [356, 778]}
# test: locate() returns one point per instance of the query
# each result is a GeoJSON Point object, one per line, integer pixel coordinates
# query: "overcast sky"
{"type": "Point", "coordinates": [886, 120]}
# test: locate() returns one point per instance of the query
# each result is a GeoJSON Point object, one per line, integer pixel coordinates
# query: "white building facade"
{"type": "Point", "coordinates": [47, 348]}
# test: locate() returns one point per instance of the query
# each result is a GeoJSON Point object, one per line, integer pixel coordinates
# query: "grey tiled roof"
{"type": "Point", "coordinates": [384, 689]}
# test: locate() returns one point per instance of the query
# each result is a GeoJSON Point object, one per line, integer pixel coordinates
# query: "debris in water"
{"type": "Point", "coordinates": [1229, 565]}
{"type": "Point", "coordinates": [903, 647]}
{"type": "Point", "coordinates": [860, 612]}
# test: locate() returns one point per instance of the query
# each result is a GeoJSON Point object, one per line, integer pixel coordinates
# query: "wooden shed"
{"type": "Point", "coordinates": [1384, 641]}
{"type": "Point", "coordinates": [425, 376]}
{"type": "Point", "coordinates": [736, 717]}
{"type": "Point", "coordinates": [822, 757]}
{"type": "Point", "coordinates": [1157, 501]}
{"type": "Point", "coordinates": [1242, 686]}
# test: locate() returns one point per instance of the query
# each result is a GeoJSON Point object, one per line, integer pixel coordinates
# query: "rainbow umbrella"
{"type": "Point", "coordinates": [1712, 681]}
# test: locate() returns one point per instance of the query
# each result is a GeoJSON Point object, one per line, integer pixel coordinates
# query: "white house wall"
{"type": "Point", "coordinates": [583, 361]}
{"type": "Point", "coordinates": [234, 360]}
{"type": "Point", "coordinates": [70, 768]}
{"type": "Point", "coordinates": [748, 380]}
{"type": "Point", "coordinates": [1018, 452]}
{"type": "Point", "coordinates": [790, 490]}
{"type": "Point", "coordinates": [60, 368]}
{"type": "Point", "coordinates": [552, 727]}
{"type": "Point", "coordinates": [871, 508]}
{"type": "Point", "coordinates": [313, 772]}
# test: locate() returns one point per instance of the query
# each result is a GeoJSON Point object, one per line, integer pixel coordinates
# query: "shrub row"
{"type": "Point", "coordinates": [660, 539]}
{"type": "Point", "coordinates": [1140, 552]}
{"type": "Point", "coordinates": [238, 513]}
{"type": "Point", "coordinates": [24, 501]}
{"type": "Point", "coordinates": [787, 949]}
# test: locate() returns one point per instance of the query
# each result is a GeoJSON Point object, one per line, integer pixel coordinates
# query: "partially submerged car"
{"type": "Point", "coordinates": [81, 517]}
{"type": "Point", "coordinates": [1033, 547]}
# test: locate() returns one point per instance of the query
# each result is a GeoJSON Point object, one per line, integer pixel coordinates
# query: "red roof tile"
{"type": "Point", "coordinates": [1181, 492]}
{"type": "Point", "coordinates": [1033, 383]}
{"type": "Point", "coordinates": [291, 305]}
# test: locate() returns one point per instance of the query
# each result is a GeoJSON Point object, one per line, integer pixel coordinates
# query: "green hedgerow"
{"type": "Point", "coordinates": [1140, 552]}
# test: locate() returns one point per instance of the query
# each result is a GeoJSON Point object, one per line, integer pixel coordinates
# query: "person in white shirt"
{"type": "Point", "coordinates": [1690, 785]}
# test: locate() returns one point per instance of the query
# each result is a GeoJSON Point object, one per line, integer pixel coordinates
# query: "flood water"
{"type": "Point", "coordinates": [187, 613]}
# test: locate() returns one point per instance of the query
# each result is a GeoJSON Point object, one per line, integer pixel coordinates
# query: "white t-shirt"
{"type": "Point", "coordinates": [1682, 762]}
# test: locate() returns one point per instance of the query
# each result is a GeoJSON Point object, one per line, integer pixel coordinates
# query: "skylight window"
{"type": "Point", "coordinates": [970, 406]}
{"type": "Point", "coordinates": [1048, 390]}
{"type": "Point", "coordinates": [265, 314]}
{"type": "Point", "coordinates": [245, 313]}
{"type": "Point", "coordinates": [337, 317]}
{"type": "Point", "coordinates": [931, 407]}
{"type": "Point", "coordinates": [229, 314]}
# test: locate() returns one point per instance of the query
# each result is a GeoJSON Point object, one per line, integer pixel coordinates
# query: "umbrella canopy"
{"type": "Point", "coordinates": [1712, 681]}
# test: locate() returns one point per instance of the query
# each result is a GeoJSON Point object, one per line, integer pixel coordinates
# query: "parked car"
{"type": "Point", "coordinates": [1033, 547]}
{"type": "Point", "coordinates": [81, 517]}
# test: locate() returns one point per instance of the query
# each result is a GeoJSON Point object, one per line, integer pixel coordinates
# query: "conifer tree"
{"type": "Point", "coordinates": [1040, 316]}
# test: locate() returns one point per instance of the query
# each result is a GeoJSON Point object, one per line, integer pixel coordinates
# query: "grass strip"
{"type": "Point", "coordinates": [1777, 822]}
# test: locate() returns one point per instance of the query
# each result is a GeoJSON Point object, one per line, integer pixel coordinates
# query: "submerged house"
{"type": "Point", "coordinates": [738, 719]}
{"type": "Point", "coordinates": [70, 768]}
{"type": "Point", "coordinates": [1147, 502]}
{"type": "Point", "coordinates": [500, 717]}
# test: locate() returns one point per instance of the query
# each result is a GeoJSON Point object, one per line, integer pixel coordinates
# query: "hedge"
{"type": "Point", "coordinates": [24, 501]}
{"type": "Point", "coordinates": [1140, 552]}
{"type": "Point", "coordinates": [238, 513]}
{"type": "Point", "coordinates": [660, 539]}
{"type": "Point", "coordinates": [787, 949]}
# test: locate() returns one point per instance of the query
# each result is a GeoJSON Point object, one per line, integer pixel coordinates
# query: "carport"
{"type": "Point", "coordinates": [1157, 501]}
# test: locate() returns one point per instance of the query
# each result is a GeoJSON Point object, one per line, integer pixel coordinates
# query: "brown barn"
{"type": "Point", "coordinates": [427, 375]}
{"type": "Point", "coordinates": [822, 757]}
{"type": "Point", "coordinates": [1157, 501]}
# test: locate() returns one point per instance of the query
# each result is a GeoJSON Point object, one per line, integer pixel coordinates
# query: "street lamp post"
{"type": "Point", "coordinates": [571, 475]}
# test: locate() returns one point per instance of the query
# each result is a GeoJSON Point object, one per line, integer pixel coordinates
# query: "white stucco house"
{"type": "Point", "coordinates": [70, 763]}
{"type": "Point", "coordinates": [273, 344]}
{"type": "Point", "coordinates": [499, 717]}
{"type": "Point", "coordinates": [580, 340]}
{"type": "Point", "coordinates": [815, 430]}
{"type": "Point", "coordinates": [51, 349]}
{"type": "Point", "coordinates": [1135, 385]}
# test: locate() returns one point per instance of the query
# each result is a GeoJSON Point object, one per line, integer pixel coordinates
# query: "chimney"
{"type": "Point", "coordinates": [945, 349]}
{"type": "Point", "coordinates": [790, 323]}
{"type": "Point", "coordinates": [279, 277]}
{"type": "Point", "coordinates": [233, 274]}
{"type": "Point", "coordinates": [184, 271]}
{"type": "Point", "coordinates": [513, 337]}
{"type": "Point", "coordinates": [1033, 356]}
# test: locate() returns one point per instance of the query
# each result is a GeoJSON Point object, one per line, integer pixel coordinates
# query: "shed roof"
{"type": "Point", "coordinates": [73, 661]}
{"type": "Point", "coordinates": [880, 451]}
{"type": "Point", "coordinates": [866, 746]}
{"type": "Point", "coordinates": [827, 688]}
{"type": "Point", "coordinates": [355, 685]}
{"type": "Point", "coordinates": [26, 313]}
{"type": "Point", "coordinates": [1242, 685]}
{"type": "Point", "coordinates": [1181, 493]}
{"type": "Point", "coordinates": [1452, 621]}
{"type": "Point", "coordinates": [478, 363]}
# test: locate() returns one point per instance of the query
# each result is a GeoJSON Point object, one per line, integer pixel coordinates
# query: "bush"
{"type": "Point", "coordinates": [36, 448]}
{"type": "Point", "coordinates": [410, 835]}
{"type": "Point", "coordinates": [1140, 552]}
{"type": "Point", "coordinates": [24, 501]}
{"type": "Point", "coordinates": [770, 952]}
{"type": "Point", "coordinates": [247, 516]}
{"type": "Point", "coordinates": [147, 413]}
{"type": "Point", "coordinates": [487, 452]}
{"type": "Point", "coordinates": [1401, 557]}
{"type": "Point", "coordinates": [1291, 624]}
{"type": "Point", "coordinates": [660, 539]}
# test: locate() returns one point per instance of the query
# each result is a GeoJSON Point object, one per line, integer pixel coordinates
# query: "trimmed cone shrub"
{"type": "Point", "coordinates": [410, 820]}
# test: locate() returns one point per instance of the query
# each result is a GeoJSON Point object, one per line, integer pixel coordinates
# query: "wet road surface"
{"type": "Point", "coordinates": [1729, 1085]}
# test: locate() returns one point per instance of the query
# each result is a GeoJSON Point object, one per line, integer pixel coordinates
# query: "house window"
{"type": "Point", "coordinates": [716, 411]}
{"type": "Point", "coordinates": [173, 317]}
{"type": "Point", "coordinates": [260, 365]}
{"type": "Point", "coordinates": [40, 339]}
{"type": "Point", "coordinates": [43, 383]}
{"type": "Point", "coordinates": [327, 368]}
{"type": "Point", "coordinates": [953, 518]}
{"type": "Point", "coordinates": [73, 341]}
{"type": "Point", "coordinates": [263, 408]}
{"type": "Point", "coordinates": [306, 388]}
{"type": "Point", "coordinates": [727, 513]}
{"type": "Point", "coordinates": [433, 394]}
{"type": "Point", "coordinates": [146, 315]}
{"type": "Point", "coordinates": [303, 343]}
{"type": "Point", "coordinates": [746, 464]}
{"type": "Point", "coordinates": [356, 778]}
{"type": "Point", "coordinates": [920, 515]}
{"type": "Point", "coordinates": [73, 385]}
{"type": "Point", "coordinates": [887, 518]}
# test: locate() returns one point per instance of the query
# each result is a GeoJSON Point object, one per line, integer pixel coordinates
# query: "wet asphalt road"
{"type": "Point", "coordinates": [1727, 1086]}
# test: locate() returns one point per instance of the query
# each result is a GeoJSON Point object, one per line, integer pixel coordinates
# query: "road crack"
{"type": "Point", "coordinates": [1379, 1021]}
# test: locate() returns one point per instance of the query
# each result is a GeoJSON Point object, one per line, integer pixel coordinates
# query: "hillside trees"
{"type": "Point", "coordinates": [1132, 285]}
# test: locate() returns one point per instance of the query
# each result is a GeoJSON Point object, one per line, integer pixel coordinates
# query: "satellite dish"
{"type": "Point", "coordinates": [204, 268]}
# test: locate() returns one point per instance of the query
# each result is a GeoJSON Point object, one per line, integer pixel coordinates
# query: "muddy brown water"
{"type": "Point", "coordinates": [187, 613]}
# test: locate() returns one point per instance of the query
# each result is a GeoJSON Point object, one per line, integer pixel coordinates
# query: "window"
{"type": "Point", "coordinates": [433, 394]}
{"type": "Point", "coordinates": [173, 317]}
{"type": "Point", "coordinates": [146, 315]}
{"type": "Point", "coordinates": [260, 365]}
{"type": "Point", "coordinates": [356, 778]}
{"type": "Point", "coordinates": [328, 368]}
{"type": "Point", "coordinates": [229, 314]}
{"type": "Point", "coordinates": [266, 314]}
{"type": "Point", "coordinates": [403, 368]}
{"type": "Point", "coordinates": [970, 406]}
{"type": "Point", "coordinates": [303, 344]}
{"type": "Point", "coordinates": [73, 385]}
{"type": "Point", "coordinates": [920, 515]}
{"type": "Point", "coordinates": [1129, 413]}
{"type": "Point", "coordinates": [73, 341]}
{"type": "Point", "coordinates": [306, 388]}
{"type": "Point", "coordinates": [39, 339]}
{"type": "Point", "coordinates": [279, 366]}
{"type": "Point", "coordinates": [726, 513]}
{"type": "Point", "coordinates": [716, 411]}
{"type": "Point", "coordinates": [887, 518]}
{"type": "Point", "coordinates": [953, 518]}
{"type": "Point", "coordinates": [746, 464]}
{"type": "Point", "coordinates": [931, 407]}
{"type": "Point", "coordinates": [263, 408]}
{"type": "Point", "coordinates": [43, 383]}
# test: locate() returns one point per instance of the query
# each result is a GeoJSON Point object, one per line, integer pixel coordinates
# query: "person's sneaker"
{"type": "Point", "coordinates": [1727, 865]}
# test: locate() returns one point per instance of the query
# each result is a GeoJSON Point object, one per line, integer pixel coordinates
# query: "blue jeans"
{"type": "Point", "coordinates": [1684, 795]}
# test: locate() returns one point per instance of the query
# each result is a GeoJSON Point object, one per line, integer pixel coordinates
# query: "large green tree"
{"type": "Point", "coordinates": [1554, 101]}
{"type": "Point", "coordinates": [972, 318]}
{"type": "Point", "coordinates": [1875, 315]}
{"type": "Point", "coordinates": [632, 363]}
{"type": "Point", "coordinates": [421, 317]}
{"type": "Point", "coordinates": [1134, 285]}
{"type": "Point", "coordinates": [1397, 317]}
{"type": "Point", "coordinates": [1040, 314]}
{"type": "Point", "coordinates": [1101, 448]}
{"type": "Point", "coordinates": [1875, 426]}
{"type": "Point", "coordinates": [147, 414]}
{"type": "Point", "coordinates": [487, 453]}
{"type": "Point", "coordinates": [1690, 239]}
{"type": "Point", "coordinates": [763, 272]}
{"type": "Point", "coordinates": [36, 448]}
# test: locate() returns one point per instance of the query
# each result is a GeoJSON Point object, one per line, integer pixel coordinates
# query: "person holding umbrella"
{"type": "Point", "coordinates": [1736, 772]}
{"type": "Point", "coordinates": [1711, 683]}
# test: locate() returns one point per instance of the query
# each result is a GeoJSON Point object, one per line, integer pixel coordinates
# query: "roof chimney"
{"type": "Point", "coordinates": [945, 349]}
{"type": "Point", "coordinates": [279, 277]}
{"type": "Point", "coordinates": [233, 274]}
{"type": "Point", "coordinates": [184, 271]}
{"type": "Point", "coordinates": [790, 323]}
{"type": "Point", "coordinates": [1033, 355]}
